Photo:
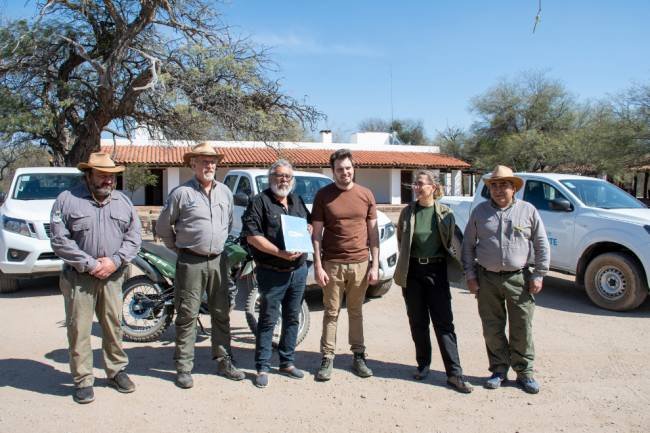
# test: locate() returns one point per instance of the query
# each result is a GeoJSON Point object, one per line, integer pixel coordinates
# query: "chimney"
{"type": "Point", "coordinates": [326, 136]}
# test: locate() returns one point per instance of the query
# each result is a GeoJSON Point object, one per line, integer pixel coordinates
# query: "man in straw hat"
{"type": "Point", "coordinates": [496, 252]}
{"type": "Point", "coordinates": [96, 232]}
{"type": "Point", "coordinates": [200, 212]}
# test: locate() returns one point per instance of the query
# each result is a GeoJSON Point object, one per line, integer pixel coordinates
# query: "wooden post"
{"type": "Point", "coordinates": [645, 184]}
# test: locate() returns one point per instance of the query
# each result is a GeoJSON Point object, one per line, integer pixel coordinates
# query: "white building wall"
{"type": "Point", "coordinates": [378, 181]}
{"type": "Point", "coordinates": [395, 186]}
{"type": "Point", "coordinates": [384, 183]}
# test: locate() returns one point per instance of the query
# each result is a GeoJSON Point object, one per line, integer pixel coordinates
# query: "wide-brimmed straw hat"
{"type": "Point", "coordinates": [501, 172]}
{"type": "Point", "coordinates": [101, 162]}
{"type": "Point", "coordinates": [202, 149]}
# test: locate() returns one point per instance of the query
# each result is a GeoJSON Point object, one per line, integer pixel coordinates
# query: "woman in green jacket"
{"type": "Point", "coordinates": [424, 232]}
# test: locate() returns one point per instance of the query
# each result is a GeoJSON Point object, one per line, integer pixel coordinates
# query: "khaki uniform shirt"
{"type": "Point", "coordinates": [196, 221]}
{"type": "Point", "coordinates": [83, 230]}
{"type": "Point", "coordinates": [500, 239]}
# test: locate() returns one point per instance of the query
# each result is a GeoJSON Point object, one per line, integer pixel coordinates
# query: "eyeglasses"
{"type": "Point", "coordinates": [419, 184]}
{"type": "Point", "coordinates": [282, 176]}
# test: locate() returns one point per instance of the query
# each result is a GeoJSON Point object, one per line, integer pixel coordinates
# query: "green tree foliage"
{"type": "Point", "coordinates": [532, 123]}
{"type": "Point", "coordinates": [136, 177]}
{"type": "Point", "coordinates": [407, 131]}
{"type": "Point", "coordinates": [84, 67]}
{"type": "Point", "coordinates": [13, 157]}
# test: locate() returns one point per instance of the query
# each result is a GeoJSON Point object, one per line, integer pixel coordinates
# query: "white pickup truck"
{"type": "Point", "coordinates": [25, 250]}
{"type": "Point", "coordinates": [248, 182]}
{"type": "Point", "coordinates": [597, 232]}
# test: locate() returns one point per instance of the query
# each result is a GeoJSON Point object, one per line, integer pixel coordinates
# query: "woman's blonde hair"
{"type": "Point", "coordinates": [433, 178]}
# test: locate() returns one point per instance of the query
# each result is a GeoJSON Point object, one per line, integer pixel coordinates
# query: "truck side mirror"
{"type": "Point", "coordinates": [561, 204]}
{"type": "Point", "coordinates": [240, 199]}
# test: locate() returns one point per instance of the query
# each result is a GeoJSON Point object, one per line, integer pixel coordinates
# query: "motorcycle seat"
{"type": "Point", "coordinates": [159, 250]}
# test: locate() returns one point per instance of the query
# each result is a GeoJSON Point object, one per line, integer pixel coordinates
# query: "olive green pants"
{"type": "Point", "coordinates": [504, 298]}
{"type": "Point", "coordinates": [84, 296]}
{"type": "Point", "coordinates": [194, 276]}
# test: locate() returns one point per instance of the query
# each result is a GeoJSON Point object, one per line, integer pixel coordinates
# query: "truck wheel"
{"type": "Point", "coordinates": [612, 281]}
{"type": "Point", "coordinates": [379, 289]}
{"type": "Point", "coordinates": [8, 284]}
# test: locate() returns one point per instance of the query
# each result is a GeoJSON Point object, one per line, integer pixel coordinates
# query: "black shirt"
{"type": "Point", "coordinates": [262, 218]}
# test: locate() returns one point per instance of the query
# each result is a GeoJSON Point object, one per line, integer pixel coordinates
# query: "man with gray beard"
{"type": "Point", "coordinates": [281, 274]}
{"type": "Point", "coordinates": [195, 221]}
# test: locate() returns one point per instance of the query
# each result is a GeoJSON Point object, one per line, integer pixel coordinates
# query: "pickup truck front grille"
{"type": "Point", "coordinates": [48, 256]}
{"type": "Point", "coordinates": [48, 232]}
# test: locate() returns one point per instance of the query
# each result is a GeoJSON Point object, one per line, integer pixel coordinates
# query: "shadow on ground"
{"type": "Point", "coordinates": [560, 293]}
{"type": "Point", "coordinates": [33, 287]}
{"type": "Point", "coordinates": [157, 362]}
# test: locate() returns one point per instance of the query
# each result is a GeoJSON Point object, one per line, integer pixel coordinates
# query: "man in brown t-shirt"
{"type": "Point", "coordinates": [344, 218]}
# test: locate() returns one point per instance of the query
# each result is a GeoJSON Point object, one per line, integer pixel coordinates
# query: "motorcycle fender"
{"type": "Point", "coordinates": [248, 268]}
{"type": "Point", "coordinates": [148, 270]}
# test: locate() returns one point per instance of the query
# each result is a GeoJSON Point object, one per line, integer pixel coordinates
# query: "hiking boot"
{"type": "Point", "coordinates": [359, 366]}
{"type": "Point", "coordinates": [460, 384]}
{"type": "Point", "coordinates": [528, 384]}
{"type": "Point", "coordinates": [495, 380]}
{"type": "Point", "coordinates": [262, 379]}
{"type": "Point", "coordinates": [184, 380]}
{"type": "Point", "coordinates": [122, 383]}
{"type": "Point", "coordinates": [84, 395]}
{"type": "Point", "coordinates": [325, 370]}
{"type": "Point", "coordinates": [292, 372]}
{"type": "Point", "coordinates": [226, 368]}
{"type": "Point", "coordinates": [421, 373]}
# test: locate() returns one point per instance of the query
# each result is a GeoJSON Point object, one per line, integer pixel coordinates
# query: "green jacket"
{"type": "Point", "coordinates": [446, 224]}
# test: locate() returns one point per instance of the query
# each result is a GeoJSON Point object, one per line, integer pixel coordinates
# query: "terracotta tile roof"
{"type": "Point", "coordinates": [256, 157]}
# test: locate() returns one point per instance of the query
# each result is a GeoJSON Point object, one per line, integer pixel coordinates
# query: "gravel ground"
{"type": "Point", "coordinates": [591, 364]}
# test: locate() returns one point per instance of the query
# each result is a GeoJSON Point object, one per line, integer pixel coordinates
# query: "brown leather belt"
{"type": "Point", "coordinates": [516, 271]}
{"type": "Point", "coordinates": [192, 253]}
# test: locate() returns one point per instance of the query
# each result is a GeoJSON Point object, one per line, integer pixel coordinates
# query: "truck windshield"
{"type": "Point", "coordinates": [44, 186]}
{"type": "Point", "coordinates": [601, 194]}
{"type": "Point", "coordinates": [306, 186]}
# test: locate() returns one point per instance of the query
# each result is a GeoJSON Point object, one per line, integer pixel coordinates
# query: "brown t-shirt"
{"type": "Point", "coordinates": [344, 215]}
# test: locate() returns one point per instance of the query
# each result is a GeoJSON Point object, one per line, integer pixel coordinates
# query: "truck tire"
{"type": "Point", "coordinates": [379, 289]}
{"type": "Point", "coordinates": [253, 310]}
{"type": "Point", "coordinates": [8, 284]}
{"type": "Point", "coordinates": [613, 281]}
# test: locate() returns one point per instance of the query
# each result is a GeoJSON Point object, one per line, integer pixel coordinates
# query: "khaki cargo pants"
{"type": "Point", "coordinates": [84, 296]}
{"type": "Point", "coordinates": [504, 298]}
{"type": "Point", "coordinates": [351, 280]}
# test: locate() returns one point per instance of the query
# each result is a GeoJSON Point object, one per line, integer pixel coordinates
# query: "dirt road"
{"type": "Point", "coordinates": [592, 365]}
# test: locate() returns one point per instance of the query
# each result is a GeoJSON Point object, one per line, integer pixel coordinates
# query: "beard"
{"type": "Point", "coordinates": [100, 191]}
{"type": "Point", "coordinates": [281, 190]}
{"type": "Point", "coordinates": [208, 175]}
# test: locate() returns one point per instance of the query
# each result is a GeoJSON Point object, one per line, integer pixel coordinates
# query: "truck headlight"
{"type": "Point", "coordinates": [16, 225]}
{"type": "Point", "coordinates": [387, 232]}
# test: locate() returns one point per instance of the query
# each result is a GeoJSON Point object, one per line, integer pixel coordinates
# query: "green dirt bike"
{"type": "Point", "coordinates": [148, 299]}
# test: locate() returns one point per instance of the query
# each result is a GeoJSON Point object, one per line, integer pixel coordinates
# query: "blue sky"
{"type": "Point", "coordinates": [339, 54]}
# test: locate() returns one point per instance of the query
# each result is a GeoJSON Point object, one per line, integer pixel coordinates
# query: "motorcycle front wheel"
{"type": "Point", "coordinates": [145, 317]}
{"type": "Point", "coordinates": [253, 311]}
